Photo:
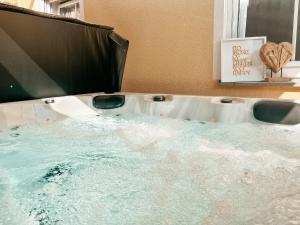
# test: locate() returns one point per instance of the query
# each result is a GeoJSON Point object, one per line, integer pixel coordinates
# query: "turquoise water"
{"type": "Point", "coordinates": [137, 169]}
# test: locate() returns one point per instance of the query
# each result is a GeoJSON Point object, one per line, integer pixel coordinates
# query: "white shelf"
{"type": "Point", "coordinates": [262, 84]}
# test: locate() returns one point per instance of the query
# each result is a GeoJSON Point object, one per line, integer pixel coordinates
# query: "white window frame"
{"type": "Point", "coordinates": [39, 6]}
{"type": "Point", "coordinates": [292, 69]}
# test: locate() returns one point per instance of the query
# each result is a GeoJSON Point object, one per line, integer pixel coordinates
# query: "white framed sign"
{"type": "Point", "coordinates": [240, 60]}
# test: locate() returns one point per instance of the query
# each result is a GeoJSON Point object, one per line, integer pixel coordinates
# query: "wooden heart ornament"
{"type": "Point", "coordinates": [275, 56]}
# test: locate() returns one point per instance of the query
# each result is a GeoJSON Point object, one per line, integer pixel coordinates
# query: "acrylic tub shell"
{"type": "Point", "coordinates": [175, 106]}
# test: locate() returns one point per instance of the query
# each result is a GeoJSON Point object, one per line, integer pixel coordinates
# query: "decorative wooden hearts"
{"type": "Point", "coordinates": [275, 56]}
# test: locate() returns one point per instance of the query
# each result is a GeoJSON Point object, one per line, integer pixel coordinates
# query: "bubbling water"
{"type": "Point", "coordinates": [138, 169]}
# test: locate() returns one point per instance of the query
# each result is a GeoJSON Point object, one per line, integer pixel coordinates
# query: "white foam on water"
{"type": "Point", "coordinates": [143, 135]}
{"type": "Point", "coordinates": [138, 169]}
{"type": "Point", "coordinates": [262, 160]}
{"type": "Point", "coordinates": [11, 211]}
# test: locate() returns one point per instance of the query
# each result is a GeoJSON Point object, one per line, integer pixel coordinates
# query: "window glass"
{"type": "Point", "coordinates": [271, 18]}
{"type": "Point", "coordinates": [298, 37]}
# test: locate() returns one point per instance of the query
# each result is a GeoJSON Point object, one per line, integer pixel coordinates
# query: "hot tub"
{"type": "Point", "coordinates": [157, 159]}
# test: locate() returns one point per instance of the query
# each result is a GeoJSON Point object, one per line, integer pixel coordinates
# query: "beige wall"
{"type": "Point", "coordinates": [27, 4]}
{"type": "Point", "coordinates": [22, 3]}
{"type": "Point", "coordinates": [170, 46]}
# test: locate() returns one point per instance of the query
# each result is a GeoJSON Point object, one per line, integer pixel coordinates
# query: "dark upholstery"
{"type": "Point", "coordinates": [43, 55]}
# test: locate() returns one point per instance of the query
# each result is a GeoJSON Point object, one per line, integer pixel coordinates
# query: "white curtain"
{"type": "Point", "coordinates": [236, 18]}
{"type": "Point", "coordinates": [43, 6]}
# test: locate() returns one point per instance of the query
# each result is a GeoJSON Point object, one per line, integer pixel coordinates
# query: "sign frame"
{"type": "Point", "coordinates": [240, 60]}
